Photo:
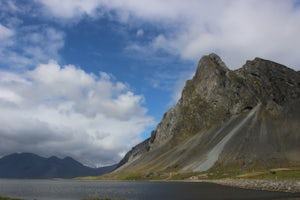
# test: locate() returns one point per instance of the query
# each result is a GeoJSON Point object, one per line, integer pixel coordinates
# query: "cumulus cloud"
{"type": "Point", "coordinates": [62, 110]}
{"type": "Point", "coordinates": [23, 43]}
{"type": "Point", "coordinates": [237, 30]}
{"type": "Point", "coordinates": [140, 33]}
{"type": "Point", "coordinates": [27, 46]}
{"type": "Point", "coordinates": [70, 9]}
{"type": "Point", "coordinates": [6, 35]}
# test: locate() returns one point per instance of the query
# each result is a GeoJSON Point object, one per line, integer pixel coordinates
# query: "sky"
{"type": "Point", "coordinates": [90, 79]}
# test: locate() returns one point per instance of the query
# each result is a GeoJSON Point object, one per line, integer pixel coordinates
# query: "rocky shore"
{"type": "Point", "coordinates": [271, 185]}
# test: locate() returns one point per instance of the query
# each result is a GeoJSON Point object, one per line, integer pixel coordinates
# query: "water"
{"type": "Point", "coordinates": [129, 190]}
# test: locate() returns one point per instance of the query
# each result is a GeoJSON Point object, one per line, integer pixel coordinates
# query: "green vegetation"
{"type": "Point", "coordinates": [7, 198]}
{"type": "Point", "coordinates": [274, 174]}
{"type": "Point", "coordinates": [89, 198]}
{"type": "Point", "coordinates": [99, 198]}
{"type": "Point", "coordinates": [292, 173]}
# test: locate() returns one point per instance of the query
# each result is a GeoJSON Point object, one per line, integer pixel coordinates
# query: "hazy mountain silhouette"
{"type": "Point", "coordinates": [28, 165]}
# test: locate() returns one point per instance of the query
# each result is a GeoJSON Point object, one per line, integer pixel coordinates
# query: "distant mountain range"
{"type": "Point", "coordinates": [31, 166]}
{"type": "Point", "coordinates": [226, 120]}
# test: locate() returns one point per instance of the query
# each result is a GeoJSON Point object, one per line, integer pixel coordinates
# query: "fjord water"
{"type": "Point", "coordinates": [129, 190]}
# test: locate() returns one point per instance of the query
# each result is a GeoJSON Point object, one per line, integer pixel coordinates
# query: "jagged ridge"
{"type": "Point", "coordinates": [248, 118]}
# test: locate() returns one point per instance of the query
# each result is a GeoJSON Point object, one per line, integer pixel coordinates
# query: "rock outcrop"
{"type": "Point", "coordinates": [247, 118]}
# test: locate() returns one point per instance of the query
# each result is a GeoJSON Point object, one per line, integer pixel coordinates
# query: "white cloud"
{"type": "Point", "coordinates": [140, 33]}
{"type": "Point", "coordinates": [54, 110]}
{"type": "Point", "coordinates": [23, 43]}
{"type": "Point", "coordinates": [69, 9]}
{"type": "Point", "coordinates": [244, 30]}
{"type": "Point", "coordinates": [237, 30]}
{"type": "Point", "coordinates": [6, 35]}
{"type": "Point", "coordinates": [30, 45]}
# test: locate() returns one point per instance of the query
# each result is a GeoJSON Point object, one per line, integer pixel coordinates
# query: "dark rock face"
{"type": "Point", "coordinates": [249, 118]}
{"type": "Point", "coordinates": [271, 81]}
{"type": "Point", "coordinates": [27, 165]}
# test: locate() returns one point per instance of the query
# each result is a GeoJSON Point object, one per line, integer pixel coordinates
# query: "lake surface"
{"type": "Point", "coordinates": [129, 190]}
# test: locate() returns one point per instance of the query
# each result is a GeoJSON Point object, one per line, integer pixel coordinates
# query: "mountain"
{"type": "Point", "coordinates": [28, 165]}
{"type": "Point", "coordinates": [226, 119]}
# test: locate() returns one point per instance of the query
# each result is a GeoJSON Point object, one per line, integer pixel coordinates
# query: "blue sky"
{"type": "Point", "coordinates": [90, 79]}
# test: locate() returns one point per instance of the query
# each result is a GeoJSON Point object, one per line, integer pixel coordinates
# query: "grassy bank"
{"type": "Point", "coordinates": [90, 198]}
{"type": "Point", "coordinates": [292, 173]}
{"type": "Point", "coordinates": [7, 198]}
{"type": "Point", "coordinates": [98, 198]}
{"type": "Point", "coordinates": [273, 174]}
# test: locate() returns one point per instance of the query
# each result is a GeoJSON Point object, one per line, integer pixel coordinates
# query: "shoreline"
{"type": "Point", "coordinates": [289, 186]}
{"type": "Point", "coordinates": [281, 185]}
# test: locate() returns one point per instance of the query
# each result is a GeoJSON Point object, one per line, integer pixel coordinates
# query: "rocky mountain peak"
{"type": "Point", "coordinates": [271, 81]}
{"type": "Point", "coordinates": [204, 99]}
{"type": "Point", "coordinates": [246, 117]}
{"type": "Point", "coordinates": [221, 88]}
{"type": "Point", "coordinates": [217, 60]}
{"type": "Point", "coordinates": [210, 65]}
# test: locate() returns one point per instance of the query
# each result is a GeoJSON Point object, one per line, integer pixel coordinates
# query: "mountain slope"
{"type": "Point", "coordinates": [247, 118]}
{"type": "Point", "coordinates": [27, 165]}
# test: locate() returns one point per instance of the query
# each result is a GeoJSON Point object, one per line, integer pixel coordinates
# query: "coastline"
{"type": "Point", "coordinates": [291, 186]}
{"type": "Point", "coordinates": [262, 184]}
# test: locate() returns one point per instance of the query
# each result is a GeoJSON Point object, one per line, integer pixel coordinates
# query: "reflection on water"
{"type": "Point", "coordinates": [130, 190]}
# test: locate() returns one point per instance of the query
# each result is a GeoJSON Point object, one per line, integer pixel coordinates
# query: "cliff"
{"type": "Point", "coordinates": [246, 118]}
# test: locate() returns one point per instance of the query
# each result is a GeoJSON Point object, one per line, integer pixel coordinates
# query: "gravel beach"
{"type": "Point", "coordinates": [292, 186]}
